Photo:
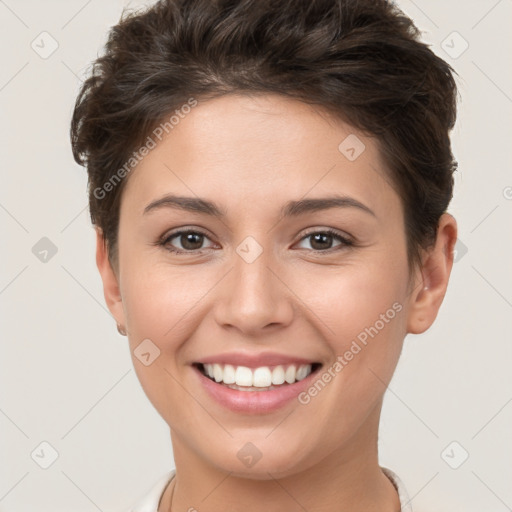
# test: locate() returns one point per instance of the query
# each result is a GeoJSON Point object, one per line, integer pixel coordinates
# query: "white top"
{"type": "Point", "coordinates": [150, 501]}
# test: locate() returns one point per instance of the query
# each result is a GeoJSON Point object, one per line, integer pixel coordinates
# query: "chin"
{"type": "Point", "coordinates": [262, 471]}
{"type": "Point", "coordinates": [262, 464]}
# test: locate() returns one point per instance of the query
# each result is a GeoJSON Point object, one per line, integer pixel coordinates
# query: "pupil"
{"type": "Point", "coordinates": [321, 237]}
{"type": "Point", "coordinates": [192, 241]}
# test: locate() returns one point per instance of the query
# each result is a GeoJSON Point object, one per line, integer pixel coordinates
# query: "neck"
{"type": "Point", "coordinates": [348, 479]}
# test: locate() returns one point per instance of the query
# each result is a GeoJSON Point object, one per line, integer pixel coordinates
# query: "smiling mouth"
{"type": "Point", "coordinates": [264, 378]}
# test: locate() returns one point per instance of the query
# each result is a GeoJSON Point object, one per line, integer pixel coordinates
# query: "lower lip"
{"type": "Point", "coordinates": [256, 402]}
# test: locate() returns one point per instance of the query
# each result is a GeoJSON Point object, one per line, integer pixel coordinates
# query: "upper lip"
{"type": "Point", "coordinates": [254, 360]}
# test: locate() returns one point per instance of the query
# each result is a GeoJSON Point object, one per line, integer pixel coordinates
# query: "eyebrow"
{"type": "Point", "coordinates": [290, 209]}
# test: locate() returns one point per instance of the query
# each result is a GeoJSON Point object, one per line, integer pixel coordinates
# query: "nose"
{"type": "Point", "coordinates": [254, 298]}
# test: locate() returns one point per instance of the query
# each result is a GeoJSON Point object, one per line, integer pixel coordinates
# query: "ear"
{"type": "Point", "coordinates": [110, 279]}
{"type": "Point", "coordinates": [432, 281]}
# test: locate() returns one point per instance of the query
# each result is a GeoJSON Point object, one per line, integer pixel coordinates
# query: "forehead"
{"type": "Point", "coordinates": [264, 149]}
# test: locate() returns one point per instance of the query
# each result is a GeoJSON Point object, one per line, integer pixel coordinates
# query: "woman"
{"type": "Point", "coordinates": [269, 183]}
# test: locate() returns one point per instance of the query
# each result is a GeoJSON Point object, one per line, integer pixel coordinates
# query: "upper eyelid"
{"type": "Point", "coordinates": [183, 231]}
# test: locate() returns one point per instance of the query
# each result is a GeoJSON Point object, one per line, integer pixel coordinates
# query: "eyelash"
{"type": "Point", "coordinates": [345, 242]}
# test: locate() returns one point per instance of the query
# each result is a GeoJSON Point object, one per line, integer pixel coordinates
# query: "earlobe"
{"type": "Point", "coordinates": [428, 294]}
{"type": "Point", "coordinates": [111, 290]}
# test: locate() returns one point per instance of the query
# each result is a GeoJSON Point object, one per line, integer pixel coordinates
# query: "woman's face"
{"type": "Point", "coordinates": [260, 284]}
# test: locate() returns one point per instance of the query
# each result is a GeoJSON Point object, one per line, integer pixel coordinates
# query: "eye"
{"type": "Point", "coordinates": [322, 241]}
{"type": "Point", "coordinates": [187, 240]}
{"type": "Point", "coordinates": [191, 241]}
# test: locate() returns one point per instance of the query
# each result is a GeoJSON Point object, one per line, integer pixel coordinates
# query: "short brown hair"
{"type": "Point", "coordinates": [360, 59]}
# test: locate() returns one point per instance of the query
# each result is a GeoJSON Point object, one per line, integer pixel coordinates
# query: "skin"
{"type": "Point", "coordinates": [251, 155]}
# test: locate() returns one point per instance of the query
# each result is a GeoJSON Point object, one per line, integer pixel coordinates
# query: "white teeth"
{"type": "Point", "coordinates": [229, 374]}
{"type": "Point", "coordinates": [262, 377]}
{"type": "Point", "coordinates": [278, 375]}
{"type": "Point", "coordinates": [289, 375]}
{"type": "Point", "coordinates": [243, 376]}
{"type": "Point", "coordinates": [302, 373]}
{"type": "Point", "coordinates": [217, 372]}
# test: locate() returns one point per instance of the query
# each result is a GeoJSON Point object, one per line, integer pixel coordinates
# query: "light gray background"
{"type": "Point", "coordinates": [66, 375]}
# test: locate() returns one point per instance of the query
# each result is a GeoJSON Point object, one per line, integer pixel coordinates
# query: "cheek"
{"type": "Point", "coordinates": [370, 329]}
{"type": "Point", "coordinates": [158, 299]}
{"type": "Point", "coordinates": [368, 308]}
{"type": "Point", "coordinates": [356, 299]}
{"type": "Point", "coordinates": [159, 303]}
{"type": "Point", "coordinates": [364, 308]}
{"type": "Point", "coordinates": [373, 313]}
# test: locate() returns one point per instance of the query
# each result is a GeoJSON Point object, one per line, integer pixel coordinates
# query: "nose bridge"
{"type": "Point", "coordinates": [253, 297]}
